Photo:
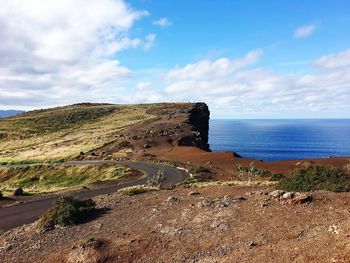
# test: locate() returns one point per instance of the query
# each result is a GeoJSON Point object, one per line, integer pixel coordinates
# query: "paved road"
{"type": "Point", "coordinates": [25, 213]}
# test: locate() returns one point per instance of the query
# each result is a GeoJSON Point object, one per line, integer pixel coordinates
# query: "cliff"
{"type": "Point", "coordinates": [103, 131]}
{"type": "Point", "coordinates": [198, 120]}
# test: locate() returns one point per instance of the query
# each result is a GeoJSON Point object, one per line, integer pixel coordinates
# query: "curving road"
{"type": "Point", "coordinates": [26, 213]}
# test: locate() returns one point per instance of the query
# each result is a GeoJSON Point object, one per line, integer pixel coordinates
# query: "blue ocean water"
{"type": "Point", "coordinates": [272, 140]}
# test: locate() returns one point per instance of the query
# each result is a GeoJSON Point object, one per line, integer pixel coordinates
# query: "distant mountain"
{"type": "Point", "coordinates": [8, 113]}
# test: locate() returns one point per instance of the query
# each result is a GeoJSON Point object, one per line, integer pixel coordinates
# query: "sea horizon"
{"type": "Point", "coordinates": [281, 139]}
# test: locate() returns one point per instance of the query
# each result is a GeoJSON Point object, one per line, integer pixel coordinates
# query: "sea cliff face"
{"type": "Point", "coordinates": [198, 133]}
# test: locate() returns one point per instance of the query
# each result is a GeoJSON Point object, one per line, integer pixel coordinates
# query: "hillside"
{"type": "Point", "coordinates": [105, 131]}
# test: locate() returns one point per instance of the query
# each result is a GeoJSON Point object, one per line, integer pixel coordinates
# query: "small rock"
{"type": "Point", "coordinates": [334, 230]}
{"type": "Point", "coordinates": [18, 192]}
{"type": "Point", "coordinates": [263, 204]}
{"type": "Point", "coordinates": [277, 193]}
{"type": "Point", "coordinates": [221, 204]}
{"type": "Point", "coordinates": [203, 203]}
{"type": "Point", "coordinates": [252, 244]}
{"type": "Point", "coordinates": [288, 195]}
{"type": "Point", "coordinates": [172, 200]}
{"type": "Point", "coordinates": [194, 193]}
{"type": "Point", "coordinates": [300, 198]}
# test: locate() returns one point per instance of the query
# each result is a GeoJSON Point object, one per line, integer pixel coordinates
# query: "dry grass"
{"type": "Point", "coordinates": [135, 190]}
{"type": "Point", "coordinates": [234, 183]}
{"type": "Point", "coordinates": [20, 141]}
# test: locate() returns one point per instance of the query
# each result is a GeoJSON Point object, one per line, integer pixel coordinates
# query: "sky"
{"type": "Point", "coordinates": [245, 59]}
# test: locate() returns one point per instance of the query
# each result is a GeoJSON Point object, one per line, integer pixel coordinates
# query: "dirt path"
{"type": "Point", "coordinates": [25, 213]}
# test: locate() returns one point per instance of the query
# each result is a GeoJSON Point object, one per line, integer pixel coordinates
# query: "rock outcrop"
{"type": "Point", "coordinates": [198, 134]}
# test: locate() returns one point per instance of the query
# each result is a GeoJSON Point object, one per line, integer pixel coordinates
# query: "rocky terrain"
{"type": "Point", "coordinates": [219, 214]}
{"type": "Point", "coordinates": [206, 224]}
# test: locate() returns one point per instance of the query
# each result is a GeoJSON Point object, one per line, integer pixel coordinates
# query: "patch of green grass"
{"type": "Point", "coordinates": [50, 178]}
{"type": "Point", "coordinates": [67, 211]}
{"type": "Point", "coordinates": [135, 190]}
{"type": "Point", "coordinates": [316, 178]}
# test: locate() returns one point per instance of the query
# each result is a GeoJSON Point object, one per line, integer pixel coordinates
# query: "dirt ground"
{"type": "Point", "coordinates": [208, 224]}
{"type": "Point", "coordinates": [224, 164]}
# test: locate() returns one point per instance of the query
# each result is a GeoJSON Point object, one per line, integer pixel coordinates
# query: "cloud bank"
{"type": "Point", "coordinates": [55, 52]}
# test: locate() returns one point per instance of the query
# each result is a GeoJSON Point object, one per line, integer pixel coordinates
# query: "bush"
{"type": "Point", "coordinates": [198, 169]}
{"type": "Point", "coordinates": [157, 179]}
{"type": "Point", "coordinates": [67, 211]}
{"type": "Point", "coordinates": [248, 173]}
{"type": "Point", "coordinates": [276, 177]}
{"type": "Point", "coordinates": [135, 190]}
{"type": "Point", "coordinates": [316, 178]}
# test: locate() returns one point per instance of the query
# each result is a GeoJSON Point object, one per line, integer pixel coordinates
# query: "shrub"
{"type": "Point", "coordinates": [135, 190]}
{"type": "Point", "coordinates": [198, 169]}
{"type": "Point", "coordinates": [248, 173]}
{"type": "Point", "coordinates": [316, 178]}
{"type": "Point", "coordinates": [67, 211]}
{"type": "Point", "coordinates": [157, 179]}
{"type": "Point", "coordinates": [276, 177]}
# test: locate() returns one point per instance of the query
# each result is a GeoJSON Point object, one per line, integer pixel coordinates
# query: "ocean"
{"type": "Point", "coordinates": [273, 140]}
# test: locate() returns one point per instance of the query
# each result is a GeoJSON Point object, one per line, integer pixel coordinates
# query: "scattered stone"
{"type": "Point", "coordinates": [172, 200]}
{"type": "Point", "coordinates": [221, 204]}
{"type": "Point", "coordinates": [194, 193]}
{"type": "Point", "coordinates": [288, 195]}
{"type": "Point", "coordinates": [277, 193]}
{"type": "Point", "coordinates": [220, 224]}
{"type": "Point", "coordinates": [204, 203]}
{"type": "Point", "coordinates": [334, 230]}
{"type": "Point", "coordinates": [252, 244]}
{"type": "Point", "coordinates": [300, 198]}
{"type": "Point", "coordinates": [264, 203]}
{"type": "Point", "coordinates": [146, 146]}
{"type": "Point", "coordinates": [18, 192]}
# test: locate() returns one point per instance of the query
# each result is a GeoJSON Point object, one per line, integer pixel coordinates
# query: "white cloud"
{"type": "Point", "coordinates": [304, 31]}
{"type": "Point", "coordinates": [143, 85]}
{"type": "Point", "coordinates": [55, 52]}
{"type": "Point", "coordinates": [233, 89]}
{"type": "Point", "coordinates": [163, 22]}
{"type": "Point", "coordinates": [149, 41]}
{"type": "Point", "coordinates": [333, 61]}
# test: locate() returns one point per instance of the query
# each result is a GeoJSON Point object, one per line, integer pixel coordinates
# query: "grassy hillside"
{"type": "Point", "coordinates": [51, 178]}
{"type": "Point", "coordinates": [64, 132]}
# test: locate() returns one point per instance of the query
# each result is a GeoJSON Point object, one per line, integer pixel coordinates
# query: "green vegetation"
{"type": "Point", "coordinates": [198, 169]}
{"type": "Point", "coordinates": [250, 172]}
{"type": "Point", "coordinates": [316, 178]}
{"type": "Point", "coordinates": [49, 178]}
{"type": "Point", "coordinates": [157, 179]}
{"type": "Point", "coordinates": [67, 211]}
{"type": "Point", "coordinates": [276, 177]}
{"type": "Point", "coordinates": [135, 190]}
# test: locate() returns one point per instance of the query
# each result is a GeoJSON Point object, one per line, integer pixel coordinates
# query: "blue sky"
{"type": "Point", "coordinates": [246, 59]}
{"type": "Point", "coordinates": [214, 29]}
